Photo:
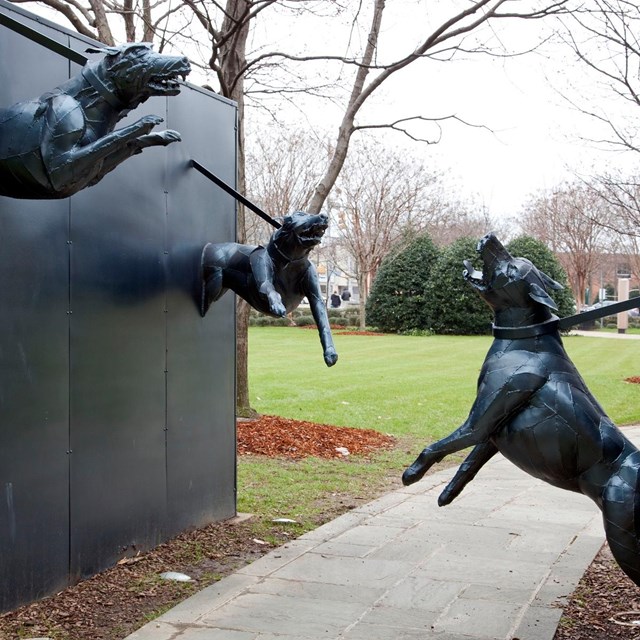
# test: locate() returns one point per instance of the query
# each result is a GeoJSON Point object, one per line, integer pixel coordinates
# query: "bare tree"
{"type": "Point", "coordinates": [565, 218]}
{"type": "Point", "coordinates": [220, 31]}
{"type": "Point", "coordinates": [382, 197]}
{"type": "Point", "coordinates": [448, 36]}
{"type": "Point", "coordinates": [622, 194]}
{"type": "Point", "coordinates": [112, 21]}
{"type": "Point", "coordinates": [463, 220]}
{"type": "Point", "coordinates": [282, 169]}
{"type": "Point", "coordinates": [605, 38]}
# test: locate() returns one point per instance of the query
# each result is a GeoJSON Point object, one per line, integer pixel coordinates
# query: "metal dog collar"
{"type": "Point", "coordinates": [283, 255]}
{"type": "Point", "coordinates": [530, 331]}
{"type": "Point", "coordinates": [107, 94]}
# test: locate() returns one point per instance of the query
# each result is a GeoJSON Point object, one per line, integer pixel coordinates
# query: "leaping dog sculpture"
{"type": "Point", "coordinates": [533, 407]}
{"type": "Point", "coordinates": [56, 144]}
{"type": "Point", "coordinates": [272, 279]}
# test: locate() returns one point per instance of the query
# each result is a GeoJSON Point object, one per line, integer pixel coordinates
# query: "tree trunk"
{"type": "Point", "coordinates": [362, 299]}
{"type": "Point", "coordinates": [347, 125]}
{"type": "Point", "coordinates": [243, 403]}
{"type": "Point", "coordinates": [232, 62]}
{"type": "Point", "coordinates": [101, 23]}
{"type": "Point", "coordinates": [148, 30]}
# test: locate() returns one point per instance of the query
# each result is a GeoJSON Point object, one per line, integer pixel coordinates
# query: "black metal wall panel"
{"type": "Point", "coordinates": [34, 347]}
{"type": "Point", "coordinates": [117, 400]}
{"type": "Point", "coordinates": [118, 360]}
{"type": "Point", "coordinates": [200, 351]}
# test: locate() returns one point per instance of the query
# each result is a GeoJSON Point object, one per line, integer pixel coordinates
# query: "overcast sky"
{"type": "Point", "coordinates": [535, 138]}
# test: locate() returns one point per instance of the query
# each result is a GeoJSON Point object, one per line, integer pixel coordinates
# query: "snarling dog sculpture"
{"type": "Point", "coordinates": [63, 141]}
{"type": "Point", "coordinates": [533, 407]}
{"type": "Point", "coordinates": [272, 279]}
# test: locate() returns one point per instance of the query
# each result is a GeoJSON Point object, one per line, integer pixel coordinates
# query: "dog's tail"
{"type": "Point", "coordinates": [621, 514]}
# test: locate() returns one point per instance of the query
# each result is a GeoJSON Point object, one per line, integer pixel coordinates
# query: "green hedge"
{"type": "Point", "coordinates": [455, 308]}
{"type": "Point", "coordinates": [397, 301]}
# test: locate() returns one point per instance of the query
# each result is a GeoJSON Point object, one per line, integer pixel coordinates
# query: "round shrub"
{"type": "Point", "coordinates": [453, 305]}
{"type": "Point", "coordinates": [397, 299]}
{"type": "Point", "coordinates": [304, 321]}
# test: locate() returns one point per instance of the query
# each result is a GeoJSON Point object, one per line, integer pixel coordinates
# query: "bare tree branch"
{"type": "Point", "coordinates": [394, 126]}
{"type": "Point", "coordinates": [65, 8]}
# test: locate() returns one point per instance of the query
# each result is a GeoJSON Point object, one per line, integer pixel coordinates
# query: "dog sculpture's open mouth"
{"type": "Point", "coordinates": [313, 234]}
{"type": "Point", "coordinates": [492, 254]}
{"type": "Point", "coordinates": [168, 83]}
{"type": "Point", "coordinates": [472, 275]}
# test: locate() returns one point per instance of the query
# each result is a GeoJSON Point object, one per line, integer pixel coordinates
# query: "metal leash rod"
{"type": "Point", "coordinates": [238, 196]}
{"type": "Point", "coordinates": [602, 312]}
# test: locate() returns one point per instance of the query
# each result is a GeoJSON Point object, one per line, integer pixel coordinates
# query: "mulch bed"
{"type": "Point", "coordinates": [275, 436]}
{"type": "Point", "coordinates": [604, 606]}
{"type": "Point", "coordinates": [112, 604]}
{"type": "Point", "coordinates": [345, 332]}
{"type": "Point", "coordinates": [633, 379]}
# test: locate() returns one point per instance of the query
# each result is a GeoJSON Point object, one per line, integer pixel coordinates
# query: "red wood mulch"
{"type": "Point", "coordinates": [275, 436]}
{"type": "Point", "coordinates": [634, 379]}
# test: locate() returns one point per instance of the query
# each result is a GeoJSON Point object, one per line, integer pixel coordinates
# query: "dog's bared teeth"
{"type": "Point", "coordinates": [471, 273]}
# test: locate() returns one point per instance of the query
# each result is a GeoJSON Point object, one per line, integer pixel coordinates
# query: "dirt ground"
{"type": "Point", "coordinates": [604, 606]}
{"type": "Point", "coordinates": [114, 603]}
{"type": "Point", "coordinates": [111, 605]}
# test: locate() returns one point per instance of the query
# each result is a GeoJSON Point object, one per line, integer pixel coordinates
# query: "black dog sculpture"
{"type": "Point", "coordinates": [533, 407]}
{"type": "Point", "coordinates": [274, 279]}
{"type": "Point", "coordinates": [63, 141]}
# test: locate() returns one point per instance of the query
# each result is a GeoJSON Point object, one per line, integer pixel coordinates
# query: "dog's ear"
{"type": "Point", "coordinates": [108, 51]}
{"type": "Point", "coordinates": [549, 282]}
{"type": "Point", "coordinates": [540, 295]}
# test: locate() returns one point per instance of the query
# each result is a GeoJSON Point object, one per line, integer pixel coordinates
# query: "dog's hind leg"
{"type": "Point", "coordinates": [467, 471]}
{"type": "Point", "coordinates": [212, 276]}
{"type": "Point", "coordinates": [621, 515]}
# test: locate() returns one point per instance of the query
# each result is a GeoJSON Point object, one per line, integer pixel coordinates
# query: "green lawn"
{"type": "Point", "coordinates": [416, 388]}
{"type": "Point", "coordinates": [406, 384]}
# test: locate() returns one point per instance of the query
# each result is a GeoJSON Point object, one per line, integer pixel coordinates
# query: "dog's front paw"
{"type": "Point", "coordinates": [146, 123]}
{"type": "Point", "coordinates": [157, 138]}
{"type": "Point", "coordinates": [447, 496]}
{"type": "Point", "coordinates": [330, 357]}
{"type": "Point", "coordinates": [275, 305]}
{"type": "Point", "coordinates": [410, 476]}
{"type": "Point", "coordinates": [169, 136]}
{"type": "Point", "coordinates": [417, 470]}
